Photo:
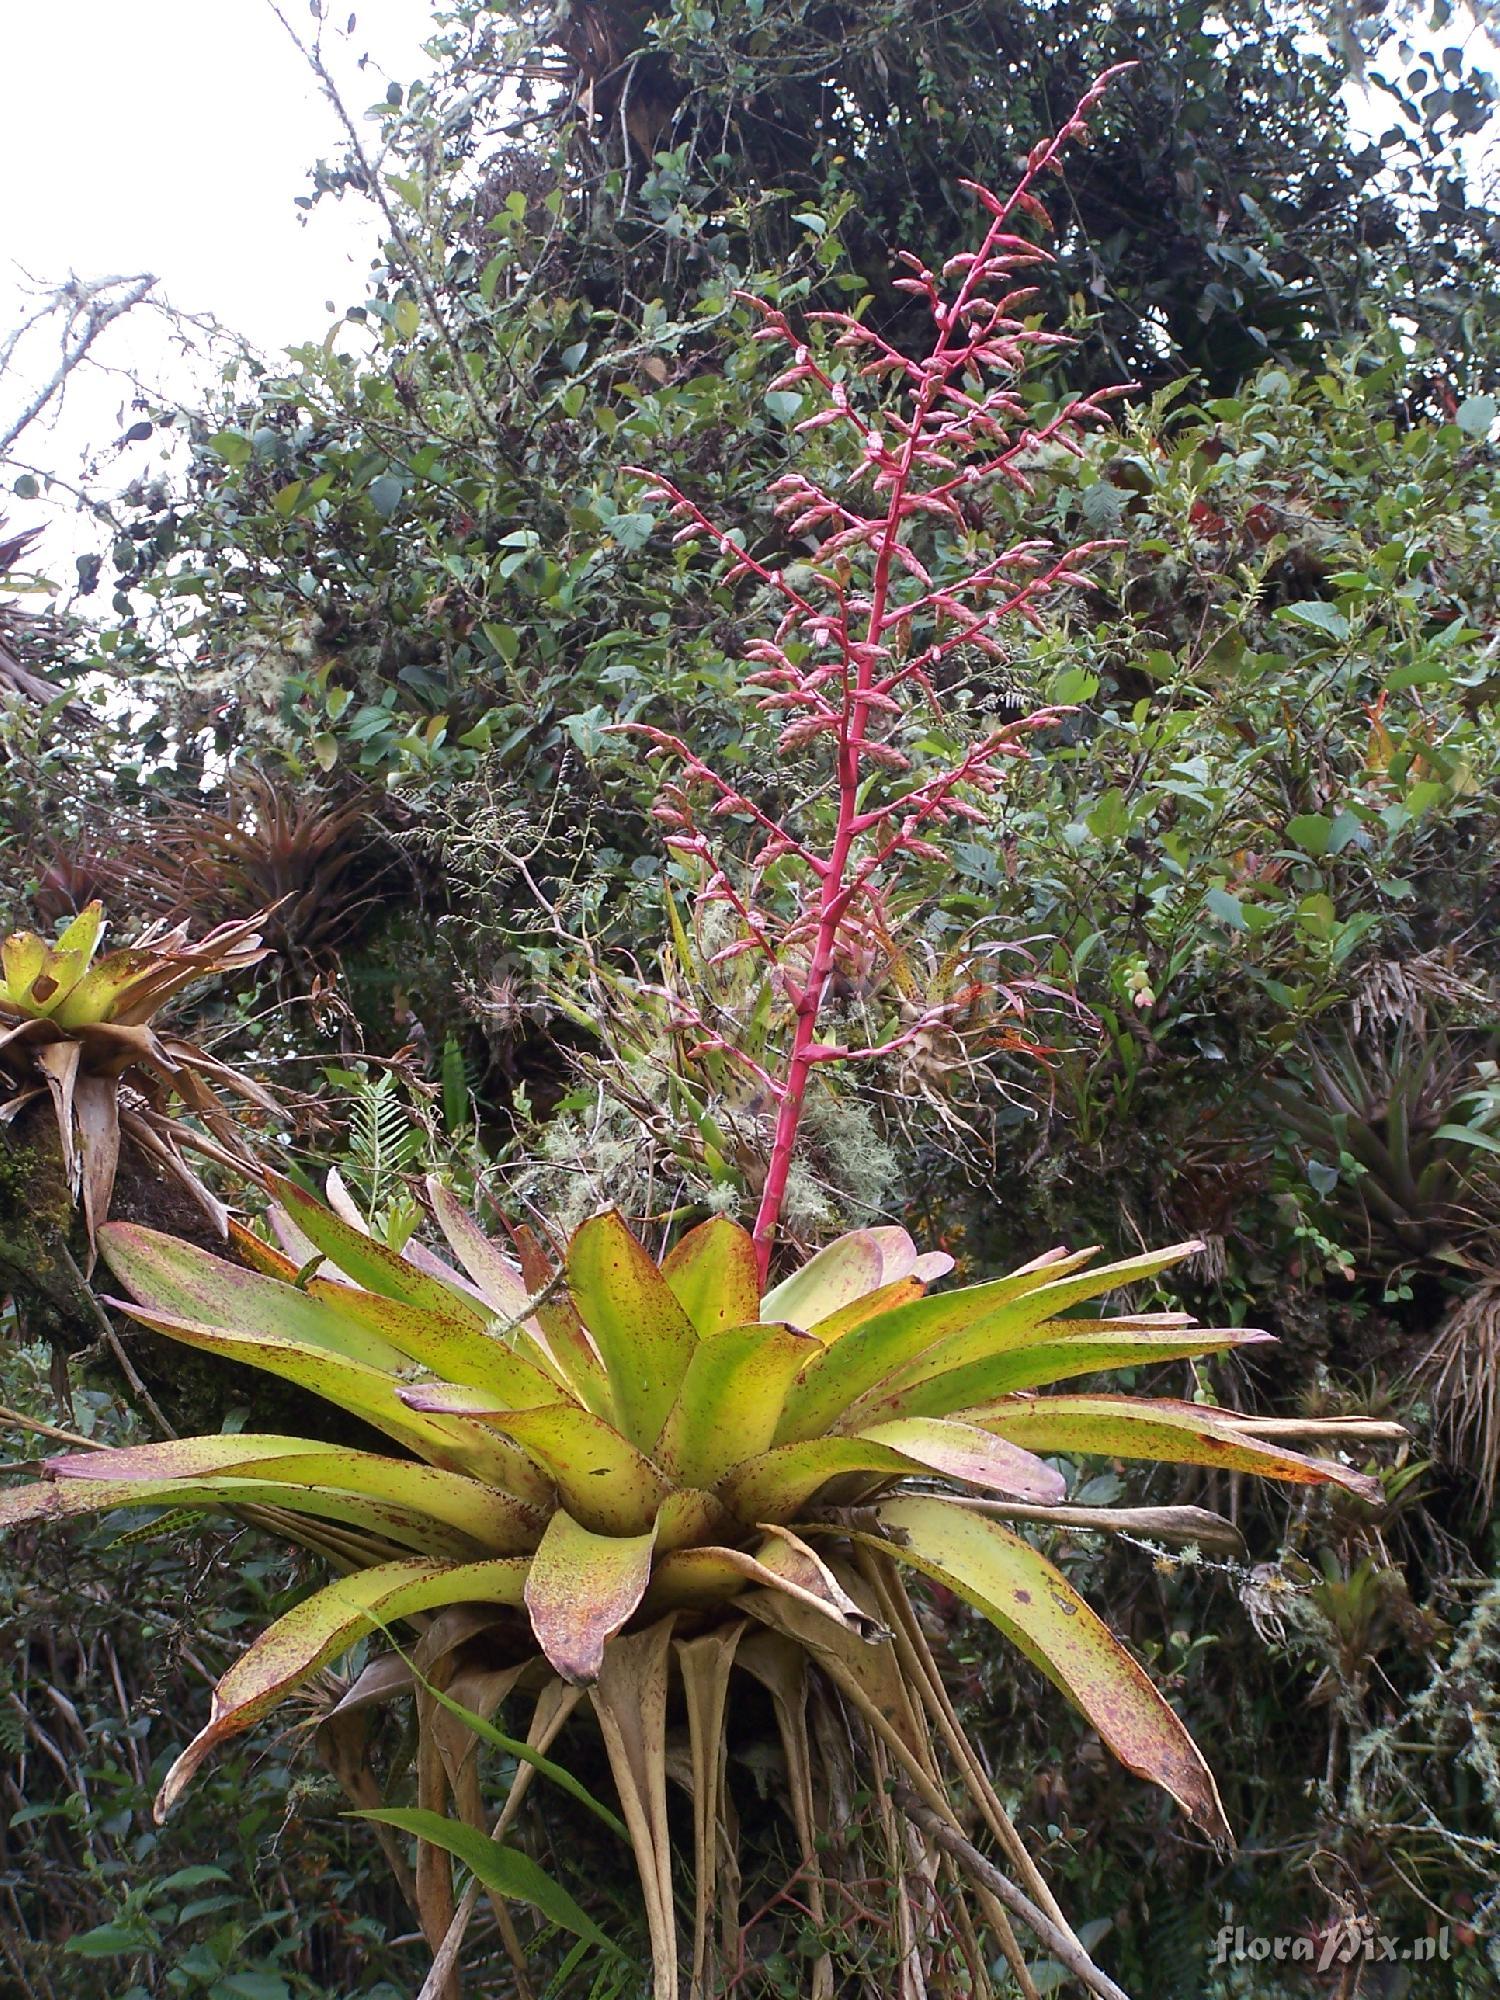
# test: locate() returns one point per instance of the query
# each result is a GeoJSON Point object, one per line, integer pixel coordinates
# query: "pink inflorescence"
{"type": "Point", "coordinates": [856, 646]}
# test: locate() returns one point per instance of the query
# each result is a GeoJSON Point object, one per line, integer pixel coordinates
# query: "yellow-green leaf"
{"type": "Point", "coordinates": [713, 1276]}
{"type": "Point", "coordinates": [730, 1401]}
{"type": "Point", "coordinates": [849, 1268]}
{"type": "Point", "coordinates": [882, 1347]}
{"type": "Point", "coordinates": [327, 1624]}
{"type": "Point", "coordinates": [364, 1392]}
{"type": "Point", "coordinates": [505, 1525]}
{"type": "Point", "coordinates": [169, 1276]}
{"type": "Point", "coordinates": [1034, 1366]}
{"type": "Point", "coordinates": [567, 1338]}
{"type": "Point", "coordinates": [1014, 1324]}
{"type": "Point", "coordinates": [582, 1588]}
{"type": "Point", "coordinates": [645, 1338]}
{"type": "Point", "coordinates": [23, 955]}
{"type": "Point", "coordinates": [778, 1484]}
{"type": "Point", "coordinates": [1039, 1611]}
{"type": "Point", "coordinates": [85, 930]}
{"type": "Point", "coordinates": [500, 1281]}
{"type": "Point", "coordinates": [690, 1578]}
{"type": "Point", "coordinates": [369, 1263]}
{"type": "Point", "coordinates": [1179, 1433]}
{"type": "Point", "coordinates": [963, 1452]}
{"type": "Point", "coordinates": [449, 1347]}
{"type": "Point", "coordinates": [383, 1522]}
{"type": "Point", "coordinates": [602, 1479]}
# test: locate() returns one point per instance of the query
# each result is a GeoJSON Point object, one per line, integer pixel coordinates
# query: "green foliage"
{"type": "Point", "coordinates": [257, 1891]}
{"type": "Point", "coordinates": [404, 566]}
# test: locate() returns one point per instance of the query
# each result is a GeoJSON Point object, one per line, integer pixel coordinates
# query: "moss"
{"type": "Point", "coordinates": [38, 1225]}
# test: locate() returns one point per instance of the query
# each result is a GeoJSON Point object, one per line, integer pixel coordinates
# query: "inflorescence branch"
{"type": "Point", "coordinates": [858, 644]}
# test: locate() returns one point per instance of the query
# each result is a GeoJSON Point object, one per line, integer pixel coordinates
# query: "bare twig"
{"type": "Point", "coordinates": [116, 1346]}
{"type": "Point", "coordinates": [90, 308]}
{"type": "Point", "coordinates": [374, 181]}
{"type": "Point", "coordinates": [988, 1876]}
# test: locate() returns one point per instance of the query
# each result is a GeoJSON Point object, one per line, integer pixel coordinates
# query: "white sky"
{"type": "Point", "coordinates": [173, 136]}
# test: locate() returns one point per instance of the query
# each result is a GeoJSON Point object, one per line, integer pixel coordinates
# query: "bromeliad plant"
{"type": "Point", "coordinates": [739, 1477]}
{"type": "Point", "coordinates": [639, 1476]}
{"type": "Point", "coordinates": [83, 1029]}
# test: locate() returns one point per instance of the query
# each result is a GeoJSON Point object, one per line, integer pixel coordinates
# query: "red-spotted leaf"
{"type": "Point", "coordinates": [581, 1590]}
{"type": "Point", "coordinates": [1049, 1360]}
{"type": "Point", "coordinates": [1039, 1611]}
{"type": "Point", "coordinates": [371, 1264]}
{"type": "Point", "coordinates": [1180, 1433]}
{"type": "Point", "coordinates": [499, 1281]}
{"type": "Point", "coordinates": [366, 1392]}
{"type": "Point", "coordinates": [690, 1578]}
{"type": "Point", "coordinates": [602, 1479]}
{"type": "Point", "coordinates": [778, 1484]}
{"type": "Point", "coordinates": [1040, 1308]}
{"type": "Point", "coordinates": [965, 1452]}
{"type": "Point", "coordinates": [171, 1277]}
{"type": "Point", "coordinates": [455, 1349]}
{"type": "Point", "coordinates": [504, 1525]}
{"type": "Point", "coordinates": [730, 1401]}
{"type": "Point", "coordinates": [713, 1276]}
{"type": "Point", "coordinates": [567, 1338]}
{"type": "Point", "coordinates": [643, 1335]}
{"type": "Point", "coordinates": [325, 1625]}
{"type": "Point", "coordinates": [880, 1349]}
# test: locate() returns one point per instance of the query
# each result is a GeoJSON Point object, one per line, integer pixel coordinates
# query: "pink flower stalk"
{"type": "Point", "coordinates": [861, 644]}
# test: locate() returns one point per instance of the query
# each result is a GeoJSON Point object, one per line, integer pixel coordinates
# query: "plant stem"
{"type": "Point", "coordinates": [988, 1876]}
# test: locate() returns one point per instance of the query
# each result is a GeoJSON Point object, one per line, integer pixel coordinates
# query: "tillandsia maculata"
{"type": "Point", "coordinates": [622, 1475]}
{"type": "Point", "coordinates": [83, 1030]}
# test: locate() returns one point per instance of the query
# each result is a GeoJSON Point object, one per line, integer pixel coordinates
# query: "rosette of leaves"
{"type": "Point", "coordinates": [1402, 1138]}
{"type": "Point", "coordinates": [643, 1476]}
{"type": "Point", "coordinates": [83, 1029]}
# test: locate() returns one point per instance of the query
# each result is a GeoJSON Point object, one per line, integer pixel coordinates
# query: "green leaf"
{"type": "Point", "coordinates": [1174, 1432]}
{"type": "Point", "coordinates": [1039, 1611]}
{"type": "Point", "coordinates": [1323, 617]}
{"type": "Point", "coordinates": [713, 1276]}
{"type": "Point", "coordinates": [645, 1338]}
{"type": "Point", "coordinates": [190, 1878]}
{"type": "Point", "coordinates": [514, 1746]}
{"type": "Point", "coordinates": [1476, 416]}
{"type": "Point", "coordinates": [731, 1400]}
{"type": "Point", "coordinates": [581, 1589]}
{"type": "Point", "coordinates": [1311, 831]}
{"type": "Point", "coordinates": [231, 447]}
{"type": "Point", "coordinates": [1228, 909]}
{"type": "Point", "coordinates": [385, 494]}
{"type": "Point", "coordinates": [502, 1870]}
{"type": "Point", "coordinates": [602, 1479]}
{"type": "Point", "coordinates": [326, 1625]}
{"type": "Point", "coordinates": [109, 1941]}
{"type": "Point", "coordinates": [1469, 1135]}
{"type": "Point", "coordinates": [251, 1986]}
